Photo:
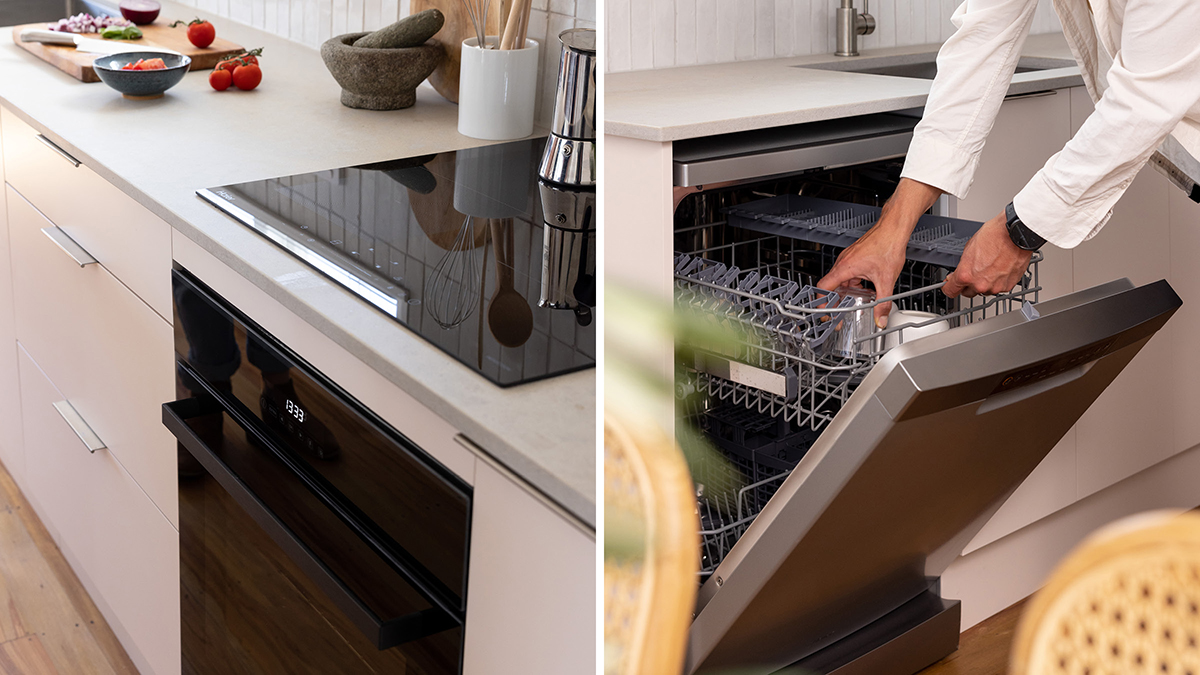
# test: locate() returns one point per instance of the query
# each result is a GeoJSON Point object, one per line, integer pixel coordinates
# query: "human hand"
{"type": "Point", "coordinates": [877, 256]}
{"type": "Point", "coordinates": [991, 263]}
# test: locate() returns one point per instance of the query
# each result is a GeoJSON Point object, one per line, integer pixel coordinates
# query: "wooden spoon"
{"type": "Point", "coordinates": [509, 317]}
{"type": "Point", "coordinates": [516, 16]}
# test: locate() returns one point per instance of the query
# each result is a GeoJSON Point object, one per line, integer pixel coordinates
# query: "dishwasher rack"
{"type": "Point", "coordinates": [763, 396]}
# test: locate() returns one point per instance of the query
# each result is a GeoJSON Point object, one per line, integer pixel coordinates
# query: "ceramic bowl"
{"type": "Point", "coordinates": [379, 79]}
{"type": "Point", "coordinates": [141, 84]}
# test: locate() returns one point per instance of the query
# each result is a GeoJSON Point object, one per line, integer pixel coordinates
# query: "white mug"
{"type": "Point", "coordinates": [907, 317]}
{"type": "Point", "coordinates": [496, 90]}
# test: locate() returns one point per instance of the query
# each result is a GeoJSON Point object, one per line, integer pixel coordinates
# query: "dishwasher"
{"type": "Point", "coordinates": [850, 469]}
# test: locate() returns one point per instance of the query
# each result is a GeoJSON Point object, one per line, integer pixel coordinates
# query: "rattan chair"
{"type": "Point", "coordinates": [1126, 601]}
{"type": "Point", "coordinates": [652, 551]}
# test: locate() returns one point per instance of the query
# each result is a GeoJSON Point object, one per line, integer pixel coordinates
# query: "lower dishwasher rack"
{"type": "Point", "coordinates": [763, 395]}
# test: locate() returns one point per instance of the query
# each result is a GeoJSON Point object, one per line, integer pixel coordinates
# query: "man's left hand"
{"type": "Point", "coordinates": [991, 263]}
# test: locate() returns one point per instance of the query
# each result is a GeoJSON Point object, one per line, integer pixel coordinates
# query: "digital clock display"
{"type": "Point", "coordinates": [295, 410]}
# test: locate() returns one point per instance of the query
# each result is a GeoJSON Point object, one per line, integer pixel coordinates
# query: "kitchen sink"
{"type": "Point", "coordinates": [923, 66]}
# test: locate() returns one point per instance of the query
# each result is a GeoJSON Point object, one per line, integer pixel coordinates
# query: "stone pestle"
{"type": "Point", "coordinates": [410, 31]}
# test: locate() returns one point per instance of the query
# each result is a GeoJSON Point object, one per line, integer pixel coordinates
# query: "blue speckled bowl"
{"type": "Point", "coordinates": [141, 84]}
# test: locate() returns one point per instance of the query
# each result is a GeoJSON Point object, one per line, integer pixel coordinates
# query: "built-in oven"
{"type": "Point", "coordinates": [846, 466]}
{"type": "Point", "coordinates": [314, 537]}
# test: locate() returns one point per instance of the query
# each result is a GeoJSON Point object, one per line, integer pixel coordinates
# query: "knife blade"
{"type": "Point", "coordinates": [89, 45]}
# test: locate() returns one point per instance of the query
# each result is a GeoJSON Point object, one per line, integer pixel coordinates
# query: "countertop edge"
{"type": "Point", "coordinates": [1048, 45]}
{"type": "Point", "coordinates": [682, 132]}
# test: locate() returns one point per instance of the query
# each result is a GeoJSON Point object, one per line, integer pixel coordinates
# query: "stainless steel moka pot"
{"type": "Point", "coordinates": [567, 182]}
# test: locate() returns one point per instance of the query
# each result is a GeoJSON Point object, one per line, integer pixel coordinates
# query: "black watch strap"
{"type": "Point", "coordinates": [1020, 234]}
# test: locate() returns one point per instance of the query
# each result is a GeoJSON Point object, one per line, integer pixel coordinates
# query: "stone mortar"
{"type": "Point", "coordinates": [379, 79]}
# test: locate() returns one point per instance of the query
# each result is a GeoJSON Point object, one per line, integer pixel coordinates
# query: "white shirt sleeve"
{"type": "Point", "coordinates": [975, 67]}
{"type": "Point", "coordinates": [1153, 83]}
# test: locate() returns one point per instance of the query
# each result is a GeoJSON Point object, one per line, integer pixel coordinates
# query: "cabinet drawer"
{"type": "Point", "coordinates": [129, 240]}
{"type": "Point", "coordinates": [108, 352]}
{"type": "Point", "coordinates": [121, 547]}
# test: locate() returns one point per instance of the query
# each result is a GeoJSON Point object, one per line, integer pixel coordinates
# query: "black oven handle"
{"type": "Point", "coordinates": [383, 634]}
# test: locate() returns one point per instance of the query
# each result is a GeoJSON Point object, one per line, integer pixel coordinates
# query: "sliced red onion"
{"type": "Point", "coordinates": [86, 23]}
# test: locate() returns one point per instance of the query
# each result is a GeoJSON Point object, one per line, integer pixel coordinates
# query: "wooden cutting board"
{"type": "Point", "coordinates": [79, 64]}
{"type": "Point", "coordinates": [458, 28]}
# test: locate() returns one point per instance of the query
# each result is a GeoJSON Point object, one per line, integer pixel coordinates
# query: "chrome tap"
{"type": "Point", "coordinates": [851, 24]}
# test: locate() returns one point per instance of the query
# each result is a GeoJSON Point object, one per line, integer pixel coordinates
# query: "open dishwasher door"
{"type": "Point", "coordinates": [839, 571]}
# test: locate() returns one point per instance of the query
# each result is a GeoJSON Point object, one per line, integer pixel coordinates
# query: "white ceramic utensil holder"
{"type": "Point", "coordinates": [496, 90]}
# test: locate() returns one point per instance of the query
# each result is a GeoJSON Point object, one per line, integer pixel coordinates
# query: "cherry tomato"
{"type": "Point", "coordinates": [247, 77]}
{"type": "Point", "coordinates": [220, 79]}
{"type": "Point", "coordinates": [245, 58]}
{"type": "Point", "coordinates": [199, 32]}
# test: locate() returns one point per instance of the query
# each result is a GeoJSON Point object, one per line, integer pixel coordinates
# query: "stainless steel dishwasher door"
{"type": "Point", "coordinates": [932, 442]}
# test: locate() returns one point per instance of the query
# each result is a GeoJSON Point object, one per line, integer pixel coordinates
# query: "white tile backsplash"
{"type": "Point", "coordinates": [311, 22]}
{"type": "Point", "coordinates": [642, 34]}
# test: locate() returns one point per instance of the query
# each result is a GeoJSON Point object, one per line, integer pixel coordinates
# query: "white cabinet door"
{"type": "Point", "coordinates": [101, 345]}
{"type": "Point", "coordinates": [1182, 393]}
{"type": "Point", "coordinates": [531, 600]}
{"type": "Point", "coordinates": [11, 453]}
{"type": "Point", "coordinates": [129, 240]}
{"type": "Point", "coordinates": [124, 550]}
{"type": "Point", "coordinates": [1028, 130]}
{"type": "Point", "coordinates": [1131, 426]}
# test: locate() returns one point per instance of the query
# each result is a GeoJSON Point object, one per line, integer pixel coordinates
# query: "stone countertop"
{"type": "Point", "coordinates": [160, 152]}
{"type": "Point", "coordinates": [673, 104]}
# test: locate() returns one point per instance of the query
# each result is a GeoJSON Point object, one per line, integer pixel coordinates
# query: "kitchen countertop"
{"type": "Point", "coordinates": [673, 104]}
{"type": "Point", "coordinates": [160, 152]}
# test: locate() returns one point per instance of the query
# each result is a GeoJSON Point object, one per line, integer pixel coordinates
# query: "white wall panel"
{"type": "Point", "coordinates": [665, 33]}
{"type": "Point", "coordinates": [311, 22]}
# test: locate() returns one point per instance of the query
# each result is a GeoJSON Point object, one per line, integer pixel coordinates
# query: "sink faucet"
{"type": "Point", "coordinates": [851, 24]}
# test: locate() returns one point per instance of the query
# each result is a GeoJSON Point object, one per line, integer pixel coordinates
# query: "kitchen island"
{"type": "Point", "coordinates": [528, 451]}
{"type": "Point", "coordinates": [1138, 447]}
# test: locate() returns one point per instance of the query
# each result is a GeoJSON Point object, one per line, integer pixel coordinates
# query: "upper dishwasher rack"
{"type": "Point", "coordinates": [937, 240]}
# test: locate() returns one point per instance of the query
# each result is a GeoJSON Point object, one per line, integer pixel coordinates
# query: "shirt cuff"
{"type": "Point", "coordinates": [1062, 223]}
{"type": "Point", "coordinates": [944, 166]}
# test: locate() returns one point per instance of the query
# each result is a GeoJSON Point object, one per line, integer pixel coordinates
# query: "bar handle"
{"type": "Point", "coordinates": [1031, 94]}
{"type": "Point", "coordinates": [68, 246]}
{"type": "Point", "coordinates": [61, 153]}
{"type": "Point", "coordinates": [74, 420]}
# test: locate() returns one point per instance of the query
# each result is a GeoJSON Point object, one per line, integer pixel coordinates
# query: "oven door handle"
{"type": "Point", "coordinates": [382, 633]}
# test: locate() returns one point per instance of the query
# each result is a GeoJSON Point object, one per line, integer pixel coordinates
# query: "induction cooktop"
{"type": "Point", "coordinates": [449, 245]}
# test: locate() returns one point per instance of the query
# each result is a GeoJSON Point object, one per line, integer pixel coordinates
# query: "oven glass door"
{"type": "Point", "coordinates": [251, 605]}
{"type": "Point", "coordinates": [314, 538]}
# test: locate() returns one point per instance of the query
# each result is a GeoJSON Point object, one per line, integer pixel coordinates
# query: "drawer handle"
{"type": "Point", "coordinates": [1030, 94]}
{"type": "Point", "coordinates": [68, 245]}
{"type": "Point", "coordinates": [61, 153]}
{"type": "Point", "coordinates": [81, 428]}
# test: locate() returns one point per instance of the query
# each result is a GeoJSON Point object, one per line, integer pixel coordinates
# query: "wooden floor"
{"type": "Point", "coordinates": [983, 648]}
{"type": "Point", "coordinates": [48, 624]}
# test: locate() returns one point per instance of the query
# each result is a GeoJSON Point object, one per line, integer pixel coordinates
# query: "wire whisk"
{"type": "Point", "coordinates": [456, 283]}
{"type": "Point", "coordinates": [477, 10]}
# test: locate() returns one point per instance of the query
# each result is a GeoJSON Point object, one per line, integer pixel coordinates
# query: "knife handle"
{"type": "Point", "coordinates": [47, 36]}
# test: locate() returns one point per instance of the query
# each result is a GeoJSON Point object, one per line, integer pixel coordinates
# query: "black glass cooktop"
{"type": "Point", "coordinates": [449, 245]}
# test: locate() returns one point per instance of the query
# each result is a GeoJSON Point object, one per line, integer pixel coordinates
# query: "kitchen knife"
{"type": "Point", "coordinates": [90, 45]}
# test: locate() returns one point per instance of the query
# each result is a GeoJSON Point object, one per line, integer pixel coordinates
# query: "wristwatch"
{"type": "Point", "coordinates": [1025, 238]}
